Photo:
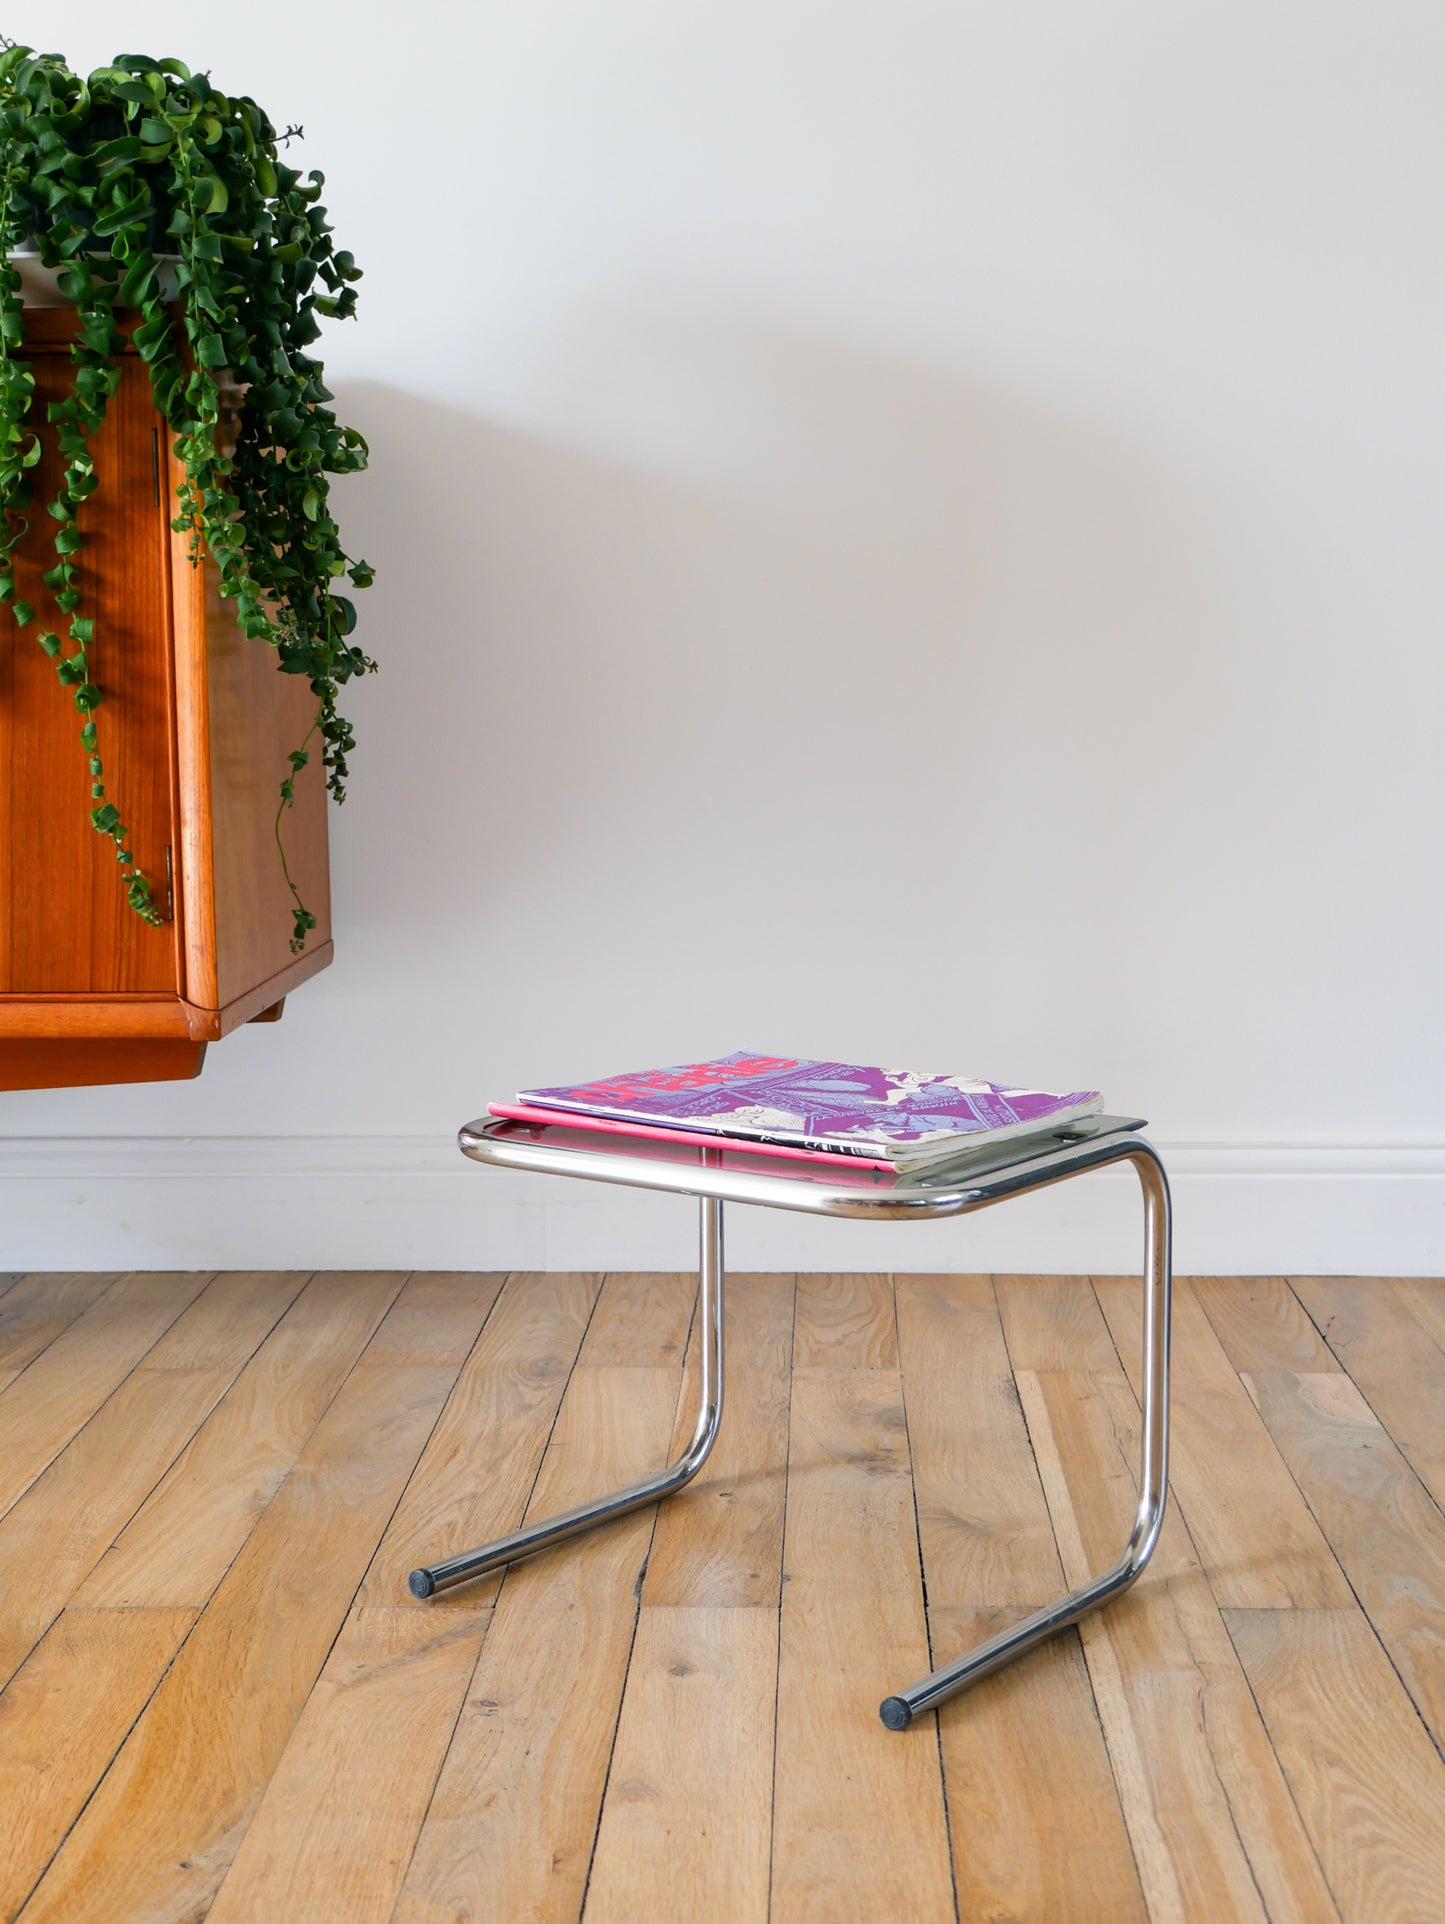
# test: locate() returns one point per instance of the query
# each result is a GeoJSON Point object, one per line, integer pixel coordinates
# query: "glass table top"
{"type": "Point", "coordinates": [966, 1181]}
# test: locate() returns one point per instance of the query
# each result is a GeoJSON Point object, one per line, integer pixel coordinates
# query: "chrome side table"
{"type": "Point", "coordinates": [717, 1175]}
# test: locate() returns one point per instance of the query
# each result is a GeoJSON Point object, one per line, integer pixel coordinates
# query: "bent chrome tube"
{"type": "Point", "coordinates": [972, 1181]}
{"type": "Point", "coordinates": [527, 1541]}
{"type": "Point", "coordinates": [898, 1712]}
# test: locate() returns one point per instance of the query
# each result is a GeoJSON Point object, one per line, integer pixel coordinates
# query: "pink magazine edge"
{"type": "Point", "coordinates": [573, 1119]}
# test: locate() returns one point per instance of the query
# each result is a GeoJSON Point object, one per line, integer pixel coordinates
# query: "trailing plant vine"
{"type": "Point", "coordinates": [112, 178]}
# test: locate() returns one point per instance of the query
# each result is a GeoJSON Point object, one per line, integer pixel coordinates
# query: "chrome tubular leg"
{"type": "Point", "coordinates": [541, 1536]}
{"type": "Point", "coordinates": [898, 1712]}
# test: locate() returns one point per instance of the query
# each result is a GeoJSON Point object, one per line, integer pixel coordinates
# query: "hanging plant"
{"type": "Point", "coordinates": [152, 191]}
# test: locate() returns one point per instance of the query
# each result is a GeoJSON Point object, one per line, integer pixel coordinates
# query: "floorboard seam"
{"type": "Point", "coordinates": [1219, 1611]}
{"type": "Point", "coordinates": [204, 1418]}
{"type": "Point", "coordinates": [923, 1586]}
{"type": "Point", "coordinates": [637, 1589]}
{"type": "Point", "coordinates": [118, 1386]}
{"type": "Point", "coordinates": [507, 1570]}
{"type": "Point", "coordinates": [301, 1446]}
{"type": "Point", "coordinates": [1375, 1632]}
{"type": "Point", "coordinates": [118, 1277]}
{"type": "Point", "coordinates": [1284, 1776]}
{"type": "Point", "coordinates": [782, 1581]}
{"type": "Point", "coordinates": [110, 1762]}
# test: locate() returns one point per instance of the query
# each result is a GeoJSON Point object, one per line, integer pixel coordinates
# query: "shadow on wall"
{"type": "Point", "coordinates": [790, 598]}
{"type": "Point", "coordinates": [802, 693]}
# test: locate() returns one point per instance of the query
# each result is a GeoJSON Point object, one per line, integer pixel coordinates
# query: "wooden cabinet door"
{"type": "Point", "coordinates": [195, 732]}
{"type": "Point", "coordinates": [65, 926]}
{"type": "Point", "coordinates": [239, 719]}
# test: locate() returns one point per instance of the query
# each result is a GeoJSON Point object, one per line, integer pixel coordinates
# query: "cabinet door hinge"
{"type": "Point", "coordinates": [170, 886]}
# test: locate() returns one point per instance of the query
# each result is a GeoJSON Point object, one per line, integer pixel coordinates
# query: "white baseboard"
{"type": "Point", "coordinates": [373, 1202]}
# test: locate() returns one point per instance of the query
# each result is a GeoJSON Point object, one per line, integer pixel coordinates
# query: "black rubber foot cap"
{"type": "Point", "coordinates": [420, 1583]}
{"type": "Point", "coordinates": [895, 1713]}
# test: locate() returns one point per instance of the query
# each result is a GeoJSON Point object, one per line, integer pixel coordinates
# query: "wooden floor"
{"type": "Point", "coordinates": [219, 1700]}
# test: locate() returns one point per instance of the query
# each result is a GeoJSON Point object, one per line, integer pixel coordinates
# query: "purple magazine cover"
{"type": "Point", "coordinates": [899, 1113]}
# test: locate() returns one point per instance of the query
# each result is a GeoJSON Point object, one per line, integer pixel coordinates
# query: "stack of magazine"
{"type": "Point", "coordinates": [899, 1120]}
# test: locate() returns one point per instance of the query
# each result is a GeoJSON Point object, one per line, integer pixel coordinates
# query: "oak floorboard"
{"type": "Point", "coordinates": [65, 1385]}
{"type": "Point", "coordinates": [35, 1310]}
{"type": "Point", "coordinates": [228, 1321]}
{"type": "Point", "coordinates": [845, 1322]}
{"type": "Point", "coordinates": [642, 1320]}
{"type": "Point", "coordinates": [1424, 1297]}
{"type": "Point", "coordinates": [1026, 1844]}
{"type": "Point", "coordinates": [1214, 1829]}
{"type": "Point", "coordinates": [859, 1828]}
{"type": "Point", "coordinates": [335, 1828]}
{"type": "Point", "coordinates": [54, 1536]}
{"type": "Point", "coordinates": [1383, 1525]}
{"type": "Point", "coordinates": [75, 1509]}
{"type": "Point", "coordinates": [1261, 1323]}
{"type": "Point", "coordinates": [334, 1832]}
{"type": "Point", "coordinates": [720, 1540]}
{"type": "Point", "coordinates": [436, 1318]}
{"type": "Point", "coordinates": [1253, 1529]}
{"type": "Point", "coordinates": [1369, 1784]}
{"type": "Point", "coordinates": [182, 1540]}
{"type": "Point", "coordinates": [158, 1836]}
{"type": "Point", "coordinates": [1392, 1359]}
{"type": "Point", "coordinates": [425, 1327]}
{"type": "Point", "coordinates": [697, 1714]}
{"type": "Point", "coordinates": [267, 1725]}
{"type": "Point", "coordinates": [1054, 1323]}
{"type": "Point", "coordinates": [982, 1518]}
{"type": "Point", "coordinates": [662, 1302]}
{"type": "Point", "coordinates": [1034, 1815]}
{"type": "Point", "coordinates": [477, 1471]}
{"type": "Point", "coordinates": [511, 1825]}
{"type": "Point", "coordinates": [61, 1721]}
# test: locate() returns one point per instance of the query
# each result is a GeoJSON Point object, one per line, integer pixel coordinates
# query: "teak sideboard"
{"type": "Point", "coordinates": [194, 729]}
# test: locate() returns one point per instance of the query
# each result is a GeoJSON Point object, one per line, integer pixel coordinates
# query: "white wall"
{"type": "Point", "coordinates": [907, 532]}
